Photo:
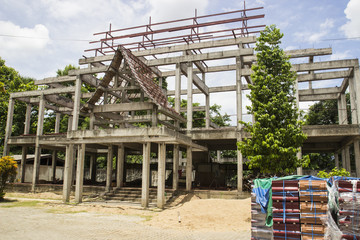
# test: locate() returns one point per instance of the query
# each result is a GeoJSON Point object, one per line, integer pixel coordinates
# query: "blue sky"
{"type": "Point", "coordinates": [50, 26]}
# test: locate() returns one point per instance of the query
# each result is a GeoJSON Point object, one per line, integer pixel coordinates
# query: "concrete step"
{"type": "Point", "coordinates": [134, 195]}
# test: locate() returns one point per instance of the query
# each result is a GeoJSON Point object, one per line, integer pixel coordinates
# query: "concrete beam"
{"type": "Point", "coordinates": [328, 96]}
{"type": "Point", "coordinates": [196, 80]}
{"type": "Point", "coordinates": [323, 76]}
{"type": "Point", "coordinates": [36, 93]}
{"type": "Point", "coordinates": [336, 64]}
{"type": "Point", "coordinates": [123, 107]}
{"type": "Point", "coordinates": [200, 57]}
{"type": "Point", "coordinates": [319, 91]}
{"type": "Point", "coordinates": [52, 80]}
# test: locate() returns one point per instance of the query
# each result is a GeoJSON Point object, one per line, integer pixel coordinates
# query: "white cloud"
{"type": "Point", "coordinates": [170, 10]}
{"type": "Point", "coordinates": [312, 37]}
{"type": "Point", "coordinates": [329, 23]}
{"type": "Point", "coordinates": [16, 38]}
{"type": "Point", "coordinates": [352, 27]}
{"type": "Point", "coordinates": [340, 55]}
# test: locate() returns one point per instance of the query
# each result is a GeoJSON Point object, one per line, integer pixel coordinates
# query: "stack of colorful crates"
{"type": "Point", "coordinates": [313, 208]}
{"type": "Point", "coordinates": [286, 209]}
{"type": "Point", "coordinates": [259, 231]}
{"type": "Point", "coordinates": [349, 204]}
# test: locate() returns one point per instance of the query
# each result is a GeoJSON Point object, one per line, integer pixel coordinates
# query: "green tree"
{"type": "Point", "coordinates": [199, 116]}
{"type": "Point", "coordinates": [11, 81]}
{"type": "Point", "coordinates": [8, 172]}
{"type": "Point", "coordinates": [325, 112]}
{"type": "Point", "coordinates": [276, 135]}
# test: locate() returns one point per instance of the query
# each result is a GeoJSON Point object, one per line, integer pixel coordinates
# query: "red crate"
{"type": "Point", "coordinates": [287, 226]}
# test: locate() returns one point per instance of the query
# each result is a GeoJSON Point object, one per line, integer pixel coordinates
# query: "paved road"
{"type": "Point", "coordinates": [37, 223]}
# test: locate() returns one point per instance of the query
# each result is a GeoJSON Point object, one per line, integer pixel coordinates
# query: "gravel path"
{"type": "Point", "coordinates": [40, 223]}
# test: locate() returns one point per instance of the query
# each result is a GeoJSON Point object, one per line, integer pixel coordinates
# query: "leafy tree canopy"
{"type": "Point", "coordinates": [276, 135]}
{"type": "Point", "coordinates": [11, 81]}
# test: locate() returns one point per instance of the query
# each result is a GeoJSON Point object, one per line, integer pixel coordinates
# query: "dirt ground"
{"type": "Point", "coordinates": [188, 216]}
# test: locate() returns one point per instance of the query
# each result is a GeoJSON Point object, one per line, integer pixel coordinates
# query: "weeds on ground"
{"type": "Point", "coordinates": [11, 204]}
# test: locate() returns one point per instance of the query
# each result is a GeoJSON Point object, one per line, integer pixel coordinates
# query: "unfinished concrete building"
{"type": "Point", "coordinates": [124, 93]}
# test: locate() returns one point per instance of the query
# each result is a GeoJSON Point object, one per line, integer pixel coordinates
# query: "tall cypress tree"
{"type": "Point", "coordinates": [276, 135]}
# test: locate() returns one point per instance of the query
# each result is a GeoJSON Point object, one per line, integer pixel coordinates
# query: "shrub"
{"type": "Point", "coordinates": [334, 172]}
{"type": "Point", "coordinates": [8, 172]}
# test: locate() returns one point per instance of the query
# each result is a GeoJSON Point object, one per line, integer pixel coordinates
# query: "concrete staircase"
{"type": "Point", "coordinates": [134, 195]}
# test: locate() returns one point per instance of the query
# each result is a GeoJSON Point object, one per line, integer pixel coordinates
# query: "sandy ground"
{"type": "Point", "coordinates": [188, 216]}
{"type": "Point", "coordinates": [206, 215]}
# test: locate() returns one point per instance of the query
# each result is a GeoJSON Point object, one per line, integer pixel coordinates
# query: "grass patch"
{"type": "Point", "coordinates": [147, 218]}
{"type": "Point", "coordinates": [20, 204]}
{"type": "Point", "coordinates": [63, 211]}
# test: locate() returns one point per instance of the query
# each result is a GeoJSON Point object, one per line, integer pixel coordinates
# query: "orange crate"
{"type": "Point", "coordinates": [310, 218]}
{"type": "Point", "coordinates": [312, 185]}
{"type": "Point", "coordinates": [308, 237]}
{"type": "Point", "coordinates": [313, 196]}
{"type": "Point", "coordinates": [313, 207]}
{"type": "Point", "coordinates": [312, 228]}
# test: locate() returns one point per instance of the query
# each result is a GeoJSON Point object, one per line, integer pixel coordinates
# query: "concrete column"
{"type": "Point", "coordinates": [24, 148]}
{"type": "Point", "coordinates": [357, 87]}
{"type": "Point", "coordinates": [120, 166]}
{"type": "Point", "coordinates": [188, 168]}
{"type": "Point", "coordinates": [68, 169]}
{"type": "Point", "coordinates": [70, 121]}
{"type": "Point", "coordinates": [80, 173]}
{"type": "Point", "coordinates": [207, 106]}
{"type": "Point", "coordinates": [343, 158]}
{"type": "Point", "coordinates": [239, 167]}
{"type": "Point", "coordinates": [57, 122]}
{"type": "Point", "coordinates": [189, 97]}
{"type": "Point", "coordinates": [357, 157]}
{"type": "Point", "coordinates": [177, 88]}
{"type": "Point", "coordinates": [53, 166]}
{"type": "Point", "coordinates": [218, 155]}
{"type": "Point", "coordinates": [23, 163]}
{"type": "Point", "coordinates": [161, 175]}
{"type": "Point", "coordinates": [175, 184]}
{"type": "Point", "coordinates": [77, 99]}
{"type": "Point", "coordinates": [238, 93]}
{"type": "Point", "coordinates": [154, 116]}
{"type": "Point", "coordinates": [352, 86]}
{"type": "Point", "coordinates": [311, 60]}
{"type": "Point", "coordinates": [8, 129]}
{"type": "Point", "coordinates": [299, 170]}
{"type": "Point", "coordinates": [93, 158]}
{"type": "Point", "coordinates": [109, 168]}
{"type": "Point", "coordinates": [145, 175]}
{"type": "Point", "coordinates": [27, 123]}
{"type": "Point", "coordinates": [92, 120]}
{"type": "Point", "coordinates": [336, 156]}
{"type": "Point", "coordinates": [342, 111]}
{"type": "Point", "coordinates": [39, 132]}
{"type": "Point", "coordinates": [347, 156]}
